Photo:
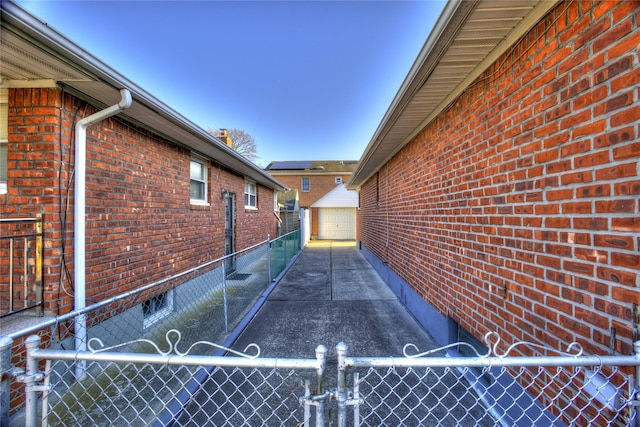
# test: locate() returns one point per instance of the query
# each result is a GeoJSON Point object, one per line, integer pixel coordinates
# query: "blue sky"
{"type": "Point", "coordinates": [308, 80]}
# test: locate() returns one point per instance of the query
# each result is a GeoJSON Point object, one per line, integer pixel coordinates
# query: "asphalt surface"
{"type": "Point", "coordinates": [331, 294]}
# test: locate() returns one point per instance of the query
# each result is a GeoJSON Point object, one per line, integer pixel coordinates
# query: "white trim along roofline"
{"type": "Point", "coordinates": [420, 99]}
{"type": "Point", "coordinates": [101, 84]}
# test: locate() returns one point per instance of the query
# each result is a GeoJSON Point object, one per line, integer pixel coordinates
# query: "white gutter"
{"type": "Point", "coordinates": [407, 89]}
{"type": "Point", "coordinates": [150, 112]}
{"type": "Point", "coordinates": [79, 205]}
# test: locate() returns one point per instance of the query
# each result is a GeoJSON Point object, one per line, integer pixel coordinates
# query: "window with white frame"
{"type": "Point", "coordinates": [198, 183]}
{"type": "Point", "coordinates": [306, 184]}
{"type": "Point", "coordinates": [250, 194]}
{"type": "Point", "coordinates": [156, 308]}
{"type": "Point", "coordinates": [338, 180]}
{"type": "Point", "coordinates": [4, 136]}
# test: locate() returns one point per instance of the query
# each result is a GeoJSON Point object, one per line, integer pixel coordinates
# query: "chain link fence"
{"type": "Point", "coordinates": [205, 303]}
{"type": "Point", "coordinates": [154, 389]}
{"type": "Point", "coordinates": [150, 359]}
{"type": "Point", "coordinates": [566, 390]}
{"type": "Point", "coordinates": [169, 386]}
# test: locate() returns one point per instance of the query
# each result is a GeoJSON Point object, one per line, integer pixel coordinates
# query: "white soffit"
{"type": "Point", "coordinates": [33, 55]}
{"type": "Point", "coordinates": [469, 36]}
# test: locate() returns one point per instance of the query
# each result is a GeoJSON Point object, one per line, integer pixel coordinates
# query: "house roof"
{"type": "Point", "coordinates": [35, 55]}
{"type": "Point", "coordinates": [290, 165]}
{"type": "Point", "coordinates": [339, 197]}
{"type": "Point", "coordinates": [311, 166]}
{"type": "Point", "coordinates": [467, 38]}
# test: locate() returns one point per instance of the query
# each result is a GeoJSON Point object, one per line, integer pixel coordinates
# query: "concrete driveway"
{"type": "Point", "coordinates": [331, 294]}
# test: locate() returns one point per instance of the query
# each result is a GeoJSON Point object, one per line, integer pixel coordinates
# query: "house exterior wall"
{"type": "Point", "coordinates": [319, 185]}
{"type": "Point", "coordinates": [140, 225]}
{"type": "Point", "coordinates": [517, 209]}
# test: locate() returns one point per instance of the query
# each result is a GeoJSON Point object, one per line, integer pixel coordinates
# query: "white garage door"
{"type": "Point", "coordinates": [337, 223]}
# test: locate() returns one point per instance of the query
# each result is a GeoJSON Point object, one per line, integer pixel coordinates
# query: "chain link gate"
{"type": "Point", "coordinates": [171, 387]}
{"type": "Point", "coordinates": [568, 389]}
{"type": "Point", "coordinates": [159, 389]}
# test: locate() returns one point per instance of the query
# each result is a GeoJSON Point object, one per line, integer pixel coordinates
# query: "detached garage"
{"type": "Point", "coordinates": [337, 214]}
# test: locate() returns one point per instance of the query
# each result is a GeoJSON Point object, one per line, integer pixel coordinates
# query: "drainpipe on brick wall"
{"type": "Point", "coordinates": [79, 274]}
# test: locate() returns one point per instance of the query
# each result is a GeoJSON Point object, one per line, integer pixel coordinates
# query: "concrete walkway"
{"type": "Point", "coordinates": [332, 294]}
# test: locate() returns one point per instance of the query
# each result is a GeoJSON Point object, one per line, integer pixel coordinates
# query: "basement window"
{"type": "Point", "coordinates": [156, 308]}
{"type": "Point", "coordinates": [473, 347]}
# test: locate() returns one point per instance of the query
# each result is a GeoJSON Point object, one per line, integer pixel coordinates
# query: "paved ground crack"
{"type": "Point", "coordinates": [331, 272]}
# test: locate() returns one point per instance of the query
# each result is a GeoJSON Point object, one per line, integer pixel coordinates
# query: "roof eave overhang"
{"type": "Point", "coordinates": [101, 84]}
{"type": "Point", "coordinates": [452, 21]}
{"type": "Point", "coordinates": [308, 172]}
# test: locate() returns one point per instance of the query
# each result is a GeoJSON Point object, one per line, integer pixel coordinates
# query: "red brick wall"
{"type": "Point", "coordinates": [253, 225]}
{"type": "Point", "coordinates": [140, 225]}
{"type": "Point", "coordinates": [517, 209]}
{"type": "Point", "coordinates": [320, 185]}
{"type": "Point", "coordinates": [34, 175]}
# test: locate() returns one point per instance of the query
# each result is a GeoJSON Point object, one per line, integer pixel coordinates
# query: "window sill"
{"type": "Point", "coordinates": [156, 317]}
{"type": "Point", "coordinates": [250, 208]}
{"type": "Point", "coordinates": [199, 205]}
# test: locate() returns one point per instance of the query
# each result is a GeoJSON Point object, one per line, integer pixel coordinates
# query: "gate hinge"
{"type": "Point", "coordinates": [349, 399]}
{"type": "Point", "coordinates": [24, 378]}
{"type": "Point", "coordinates": [314, 400]}
{"type": "Point", "coordinates": [634, 394]}
{"type": "Point", "coordinates": [42, 388]}
{"type": "Point", "coordinates": [31, 381]}
{"type": "Point", "coordinates": [353, 401]}
{"type": "Point", "coordinates": [12, 372]}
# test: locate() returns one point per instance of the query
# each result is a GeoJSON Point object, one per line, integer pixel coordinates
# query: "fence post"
{"type": "Point", "coordinates": [224, 295]}
{"type": "Point", "coordinates": [636, 350]}
{"type": "Point", "coordinates": [31, 395]}
{"type": "Point", "coordinates": [304, 228]}
{"type": "Point", "coordinates": [5, 379]}
{"type": "Point", "coordinates": [286, 242]}
{"type": "Point", "coordinates": [321, 356]}
{"type": "Point", "coordinates": [341, 395]}
{"type": "Point", "coordinates": [269, 256]}
{"type": "Point", "coordinates": [307, 405]}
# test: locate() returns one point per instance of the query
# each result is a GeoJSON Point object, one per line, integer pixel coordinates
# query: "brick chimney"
{"type": "Point", "coordinates": [223, 135]}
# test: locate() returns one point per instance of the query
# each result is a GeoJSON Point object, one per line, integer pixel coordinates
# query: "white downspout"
{"type": "Point", "coordinates": [79, 274]}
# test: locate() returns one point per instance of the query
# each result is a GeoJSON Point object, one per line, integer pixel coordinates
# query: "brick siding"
{"type": "Point", "coordinates": [140, 225]}
{"type": "Point", "coordinates": [319, 185]}
{"type": "Point", "coordinates": [517, 209]}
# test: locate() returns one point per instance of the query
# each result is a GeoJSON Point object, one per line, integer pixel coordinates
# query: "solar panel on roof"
{"type": "Point", "coordinates": [293, 164]}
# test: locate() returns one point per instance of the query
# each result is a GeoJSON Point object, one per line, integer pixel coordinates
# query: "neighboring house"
{"type": "Point", "coordinates": [155, 196]}
{"type": "Point", "coordinates": [337, 212]}
{"type": "Point", "coordinates": [313, 180]}
{"type": "Point", "coordinates": [501, 190]}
